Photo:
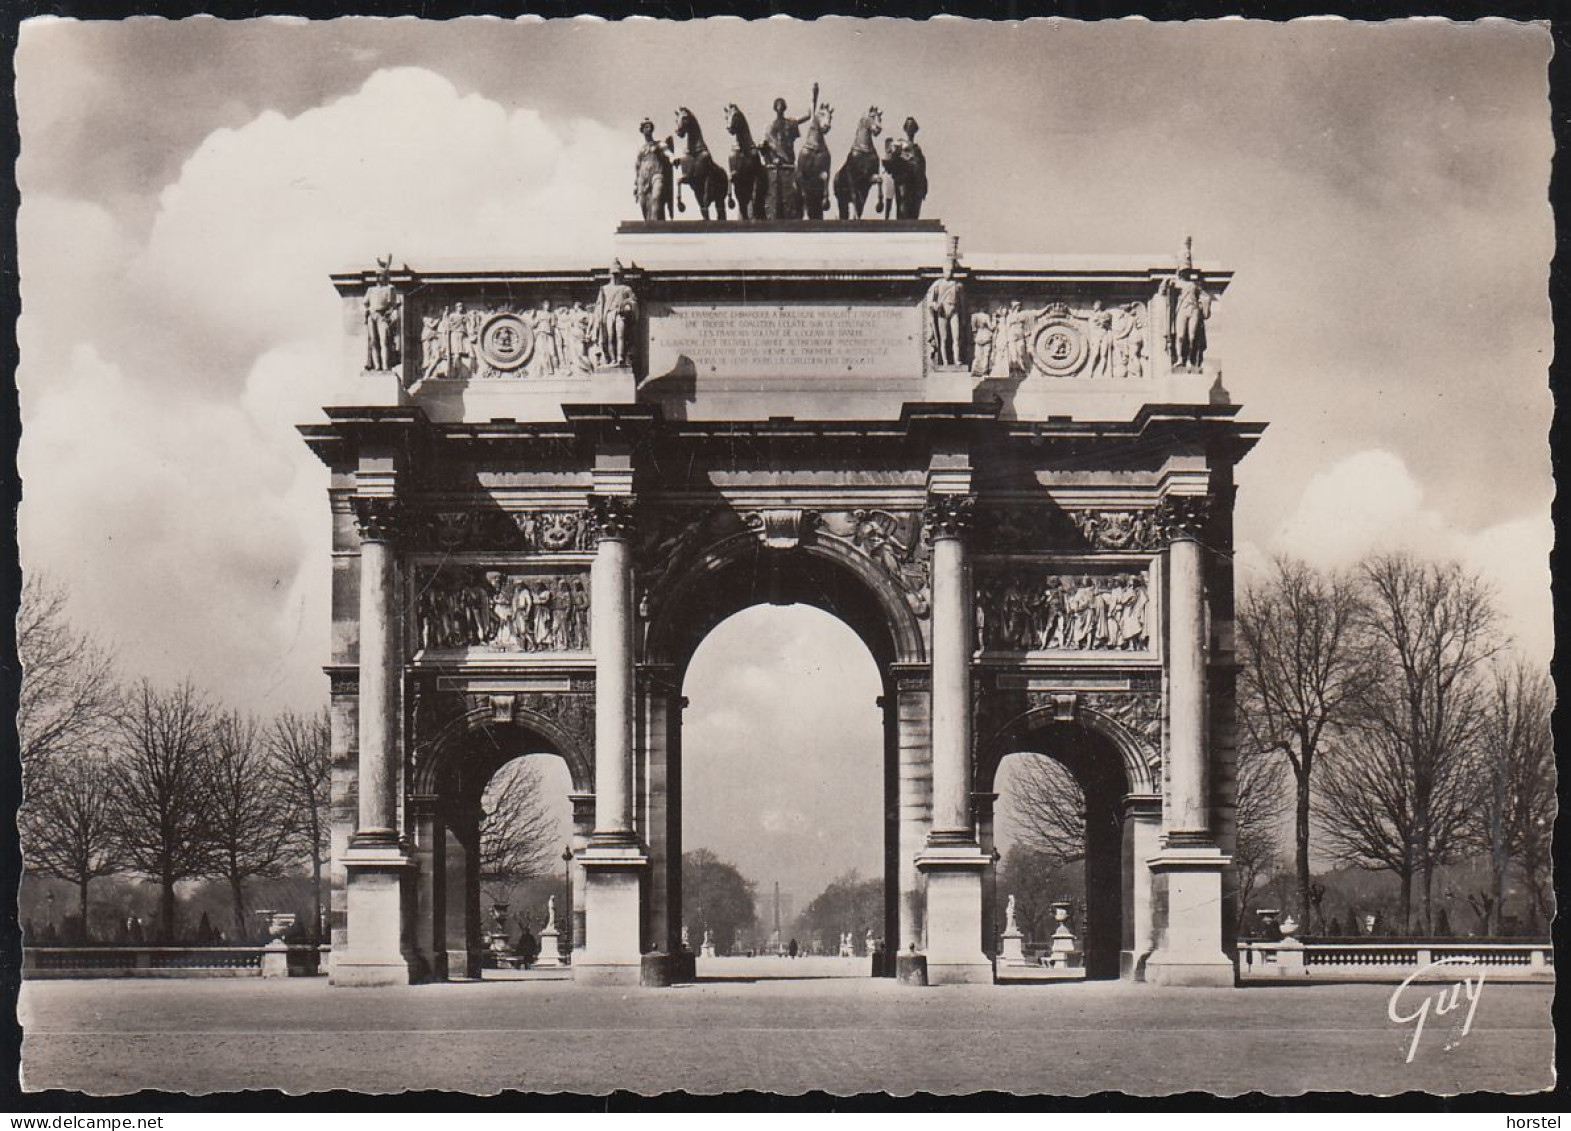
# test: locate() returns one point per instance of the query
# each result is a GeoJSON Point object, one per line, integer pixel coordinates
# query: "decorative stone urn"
{"type": "Point", "coordinates": [1063, 953]}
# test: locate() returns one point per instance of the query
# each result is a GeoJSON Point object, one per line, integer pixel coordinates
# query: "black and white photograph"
{"type": "Point", "coordinates": [811, 558]}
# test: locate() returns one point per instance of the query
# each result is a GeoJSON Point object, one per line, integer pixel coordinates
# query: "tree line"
{"type": "Point", "coordinates": [163, 783]}
{"type": "Point", "coordinates": [1413, 736]}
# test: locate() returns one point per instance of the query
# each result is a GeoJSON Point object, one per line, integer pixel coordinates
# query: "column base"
{"type": "Point", "coordinates": [1188, 904]}
{"type": "Point", "coordinates": [377, 891]}
{"type": "Point", "coordinates": [613, 881]}
{"type": "Point", "coordinates": [954, 914]}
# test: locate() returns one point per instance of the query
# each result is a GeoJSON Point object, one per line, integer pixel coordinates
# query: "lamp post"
{"type": "Point", "coordinates": [50, 900]}
{"type": "Point", "coordinates": [567, 880]}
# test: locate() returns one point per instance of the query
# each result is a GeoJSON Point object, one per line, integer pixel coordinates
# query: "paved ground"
{"type": "Point", "coordinates": [842, 1036]}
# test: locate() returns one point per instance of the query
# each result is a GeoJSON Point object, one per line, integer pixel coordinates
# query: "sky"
{"type": "Point", "coordinates": [1378, 190]}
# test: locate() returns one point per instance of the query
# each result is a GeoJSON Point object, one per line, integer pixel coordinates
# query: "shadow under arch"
{"type": "Point", "coordinates": [740, 571]}
{"type": "Point", "coordinates": [1109, 764]}
{"type": "Point", "coordinates": [473, 746]}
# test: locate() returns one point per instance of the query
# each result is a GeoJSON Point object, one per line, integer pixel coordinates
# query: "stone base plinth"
{"type": "Point", "coordinates": [1188, 890]}
{"type": "Point", "coordinates": [954, 914]}
{"type": "Point", "coordinates": [376, 887]}
{"type": "Point", "coordinates": [275, 959]}
{"type": "Point", "coordinates": [911, 969]}
{"type": "Point", "coordinates": [550, 952]}
{"type": "Point", "coordinates": [613, 875]}
{"type": "Point", "coordinates": [1011, 950]}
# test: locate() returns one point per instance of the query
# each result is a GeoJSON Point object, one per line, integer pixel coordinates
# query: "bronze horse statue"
{"type": "Point", "coordinates": [860, 172]}
{"type": "Point", "coordinates": [697, 170]}
{"type": "Point", "coordinates": [748, 187]}
{"type": "Point", "coordinates": [812, 163]}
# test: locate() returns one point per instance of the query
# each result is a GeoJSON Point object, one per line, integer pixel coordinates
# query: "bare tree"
{"type": "Point", "coordinates": [67, 825]}
{"type": "Point", "coordinates": [162, 796]}
{"type": "Point", "coordinates": [67, 693]}
{"type": "Point", "coordinates": [1302, 658]}
{"type": "Point", "coordinates": [1435, 627]}
{"type": "Point", "coordinates": [303, 764]}
{"type": "Point", "coordinates": [249, 817]}
{"type": "Point", "coordinates": [1365, 804]}
{"type": "Point", "coordinates": [1261, 804]}
{"type": "Point", "coordinates": [519, 837]}
{"type": "Point", "coordinates": [1516, 784]}
{"type": "Point", "coordinates": [1405, 782]}
{"type": "Point", "coordinates": [1048, 809]}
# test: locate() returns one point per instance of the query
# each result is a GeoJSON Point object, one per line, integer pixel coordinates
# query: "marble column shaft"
{"type": "Point", "coordinates": [1187, 687]}
{"type": "Point", "coordinates": [379, 672]}
{"type": "Point", "coordinates": [951, 688]}
{"type": "Point", "coordinates": [611, 622]}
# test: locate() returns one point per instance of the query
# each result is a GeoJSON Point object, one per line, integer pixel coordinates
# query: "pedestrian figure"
{"type": "Point", "coordinates": [791, 950]}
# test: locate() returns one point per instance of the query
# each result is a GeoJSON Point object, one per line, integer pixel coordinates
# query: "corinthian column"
{"type": "Point", "coordinates": [947, 518]}
{"type": "Point", "coordinates": [379, 672]}
{"type": "Point", "coordinates": [952, 861]}
{"type": "Point", "coordinates": [1189, 808]}
{"type": "Point", "coordinates": [613, 862]}
{"type": "Point", "coordinates": [378, 880]}
{"type": "Point", "coordinates": [611, 639]}
{"type": "Point", "coordinates": [1187, 904]}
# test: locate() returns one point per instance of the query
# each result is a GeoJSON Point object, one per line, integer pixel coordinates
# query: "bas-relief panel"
{"type": "Point", "coordinates": [499, 610]}
{"type": "Point", "coordinates": [1038, 609]}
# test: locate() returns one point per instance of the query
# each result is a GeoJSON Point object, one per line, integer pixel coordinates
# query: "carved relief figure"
{"type": "Point", "coordinates": [894, 544]}
{"type": "Point", "coordinates": [652, 176]}
{"type": "Point", "coordinates": [460, 329]}
{"type": "Point", "coordinates": [548, 358]}
{"type": "Point", "coordinates": [382, 310]}
{"type": "Point", "coordinates": [616, 310]}
{"type": "Point", "coordinates": [1026, 611]}
{"type": "Point", "coordinates": [505, 612]}
{"type": "Point", "coordinates": [981, 344]}
{"type": "Point", "coordinates": [431, 348]}
{"type": "Point", "coordinates": [944, 299]}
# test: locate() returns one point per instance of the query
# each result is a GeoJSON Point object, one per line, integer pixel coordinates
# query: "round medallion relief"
{"type": "Point", "coordinates": [506, 341]}
{"type": "Point", "coordinates": [1058, 347]}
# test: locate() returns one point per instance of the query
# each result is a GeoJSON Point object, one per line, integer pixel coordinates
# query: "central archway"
{"type": "Point", "coordinates": [783, 781]}
{"type": "Point", "coordinates": [739, 572]}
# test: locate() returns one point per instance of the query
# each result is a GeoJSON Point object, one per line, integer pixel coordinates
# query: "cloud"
{"type": "Point", "coordinates": [163, 377]}
{"type": "Point", "coordinates": [1371, 502]}
{"type": "Point", "coordinates": [244, 239]}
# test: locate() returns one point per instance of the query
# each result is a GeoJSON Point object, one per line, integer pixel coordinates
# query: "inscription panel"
{"type": "Point", "coordinates": [794, 340]}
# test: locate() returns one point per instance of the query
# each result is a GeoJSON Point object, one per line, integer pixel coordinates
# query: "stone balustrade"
{"type": "Point", "coordinates": [1393, 961]}
{"type": "Point", "coordinates": [41, 962]}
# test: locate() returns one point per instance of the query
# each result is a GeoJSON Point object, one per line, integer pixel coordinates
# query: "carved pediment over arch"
{"type": "Point", "coordinates": [892, 542]}
{"type": "Point", "coordinates": [1005, 718]}
{"type": "Point", "coordinates": [443, 715]}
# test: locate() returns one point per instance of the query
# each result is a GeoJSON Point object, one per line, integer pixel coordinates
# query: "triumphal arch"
{"type": "Point", "coordinates": [1011, 475]}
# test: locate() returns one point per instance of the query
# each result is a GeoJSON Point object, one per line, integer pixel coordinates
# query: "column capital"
{"type": "Point", "coordinates": [1183, 517]}
{"type": "Point", "coordinates": [378, 517]}
{"type": "Point", "coordinates": [611, 517]}
{"type": "Point", "coordinates": [948, 516]}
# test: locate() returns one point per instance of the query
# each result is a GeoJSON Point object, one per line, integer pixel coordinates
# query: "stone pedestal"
{"type": "Point", "coordinates": [707, 950]}
{"type": "Point", "coordinates": [376, 888]}
{"type": "Point", "coordinates": [550, 949]}
{"type": "Point", "coordinates": [275, 959]}
{"type": "Point", "coordinates": [613, 875]}
{"type": "Point", "coordinates": [954, 908]}
{"type": "Point", "coordinates": [1189, 922]}
{"type": "Point", "coordinates": [1012, 949]}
